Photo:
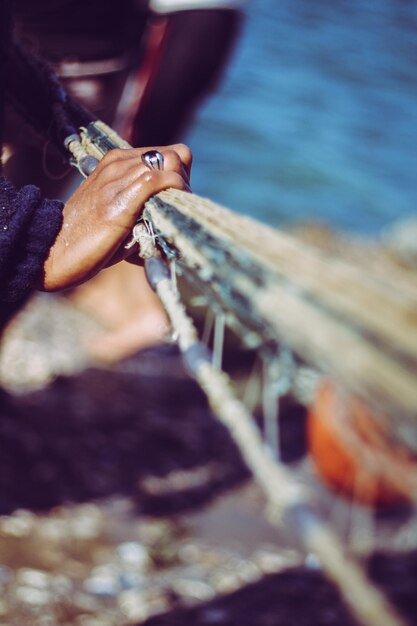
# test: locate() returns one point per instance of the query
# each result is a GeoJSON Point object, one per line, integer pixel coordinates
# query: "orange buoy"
{"type": "Point", "coordinates": [353, 453]}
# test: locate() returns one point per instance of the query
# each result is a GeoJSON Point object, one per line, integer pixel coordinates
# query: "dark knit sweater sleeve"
{"type": "Point", "coordinates": [29, 225]}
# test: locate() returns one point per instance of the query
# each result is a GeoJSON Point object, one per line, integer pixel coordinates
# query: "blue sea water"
{"type": "Point", "coordinates": [316, 118]}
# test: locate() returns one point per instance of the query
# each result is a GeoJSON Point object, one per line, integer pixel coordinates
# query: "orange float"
{"type": "Point", "coordinates": [353, 453]}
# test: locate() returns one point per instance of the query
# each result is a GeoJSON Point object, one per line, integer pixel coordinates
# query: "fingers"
{"type": "Point", "coordinates": [141, 188]}
{"type": "Point", "coordinates": [132, 199]}
{"type": "Point", "coordinates": [184, 154]}
{"type": "Point", "coordinates": [121, 162]}
{"type": "Point", "coordinates": [173, 161]}
{"type": "Point", "coordinates": [121, 170]}
{"type": "Point", "coordinates": [177, 157]}
{"type": "Point", "coordinates": [156, 181]}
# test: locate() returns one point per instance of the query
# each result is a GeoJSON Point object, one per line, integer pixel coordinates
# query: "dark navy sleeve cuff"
{"type": "Point", "coordinates": [29, 225]}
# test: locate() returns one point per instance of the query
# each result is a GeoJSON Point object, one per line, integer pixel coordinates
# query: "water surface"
{"type": "Point", "coordinates": [316, 118]}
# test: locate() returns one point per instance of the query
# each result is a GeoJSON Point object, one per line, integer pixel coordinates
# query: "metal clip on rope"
{"type": "Point", "coordinates": [82, 161]}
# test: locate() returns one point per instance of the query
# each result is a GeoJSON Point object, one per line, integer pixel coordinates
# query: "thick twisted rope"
{"type": "Point", "coordinates": [288, 500]}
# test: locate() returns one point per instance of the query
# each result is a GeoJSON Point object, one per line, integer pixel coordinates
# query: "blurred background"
{"type": "Point", "coordinates": [316, 118]}
{"type": "Point", "coordinates": [122, 500]}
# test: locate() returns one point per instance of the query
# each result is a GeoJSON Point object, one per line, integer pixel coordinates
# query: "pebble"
{"type": "Point", "coordinates": [189, 553]}
{"type": "Point", "coordinates": [32, 596]}
{"type": "Point", "coordinates": [105, 585]}
{"type": "Point", "coordinates": [33, 578]}
{"type": "Point", "coordinates": [133, 553]}
{"type": "Point", "coordinates": [195, 589]}
{"type": "Point", "coordinates": [86, 524]}
{"type": "Point", "coordinates": [131, 580]}
{"type": "Point", "coordinates": [54, 530]}
{"type": "Point", "coordinates": [248, 572]}
{"type": "Point", "coordinates": [133, 605]}
{"type": "Point", "coordinates": [225, 582]}
{"type": "Point", "coordinates": [15, 526]}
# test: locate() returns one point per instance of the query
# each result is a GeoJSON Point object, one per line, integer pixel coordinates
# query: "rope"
{"type": "Point", "coordinates": [288, 500]}
{"type": "Point", "coordinates": [82, 159]}
{"type": "Point", "coordinates": [76, 148]}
